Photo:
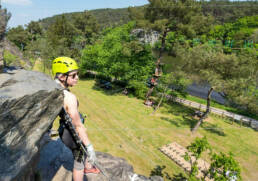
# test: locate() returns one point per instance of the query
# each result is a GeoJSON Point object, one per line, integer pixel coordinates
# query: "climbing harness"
{"type": "Point", "coordinates": [68, 123]}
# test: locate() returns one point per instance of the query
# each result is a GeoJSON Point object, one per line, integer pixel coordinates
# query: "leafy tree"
{"type": "Point", "coordinates": [176, 19]}
{"type": "Point", "coordinates": [227, 73]}
{"type": "Point", "coordinates": [60, 37]}
{"type": "Point", "coordinates": [34, 29]}
{"type": "Point", "coordinates": [19, 36]}
{"type": "Point", "coordinates": [120, 56]}
{"type": "Point", "coordinates": [224, 167]}
{"type": "Point", "coordinates": [87, 26]}
{"type": "Point", "coordinates": [199, 146]}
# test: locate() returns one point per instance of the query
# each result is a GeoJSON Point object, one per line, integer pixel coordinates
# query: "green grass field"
{"type": "Point", "coordinates": [124, 127]}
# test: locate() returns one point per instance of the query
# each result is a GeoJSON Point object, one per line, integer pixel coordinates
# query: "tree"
{"type": "Point", "coordinates": [120, 56]}
{"type": "Point", "coordinates": [87, 26]}
{"type": "Point", "coordinates": [181, 17]}
{"type": "Point", "coordinates": [60, 37]}
{"type": "Point", "coordinates": [226, 73]}
{"type": "Point", "coordinates": [222, 168]}
{"type": "Point", "coordinates": [19, 36]}
{"type": "Point", "coordinates": [34, 29]}
{"type": "Point", "coordinates": [199, 146]}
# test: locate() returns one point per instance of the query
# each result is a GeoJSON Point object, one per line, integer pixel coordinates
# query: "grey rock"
{"type": "Point", "coordinates": [56, 163]}
{"type": "Point", "coordinates": [20, 60]}
{"type": "Point", "coordinates": [144, 36]}
{"type": "Point", "coordinates": [29, 103]}
{"type": "Point", "coordinates": [4, 17]}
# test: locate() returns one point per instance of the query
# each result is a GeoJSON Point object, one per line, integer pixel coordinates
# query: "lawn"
{"type": "Point", "coordinates": [124, 127]}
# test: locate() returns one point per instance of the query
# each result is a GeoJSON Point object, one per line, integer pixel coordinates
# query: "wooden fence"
{"type": "Point", "coordinates": [241, 119]}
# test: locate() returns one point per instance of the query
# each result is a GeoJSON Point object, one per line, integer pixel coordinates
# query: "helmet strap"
{"type": "Point", "coordinates": [66, 84]}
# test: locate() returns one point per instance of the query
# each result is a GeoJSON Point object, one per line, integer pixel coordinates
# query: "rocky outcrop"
{"type": "Point", "coordinates": [20, 60]}
{"type": "Point", "coordinates": [56, 163]}
{"type": "Point", "coordinates": [4, 17]}
{"type": "Point", "coordinates": [29, 103]}
{"type": "Point", "coordinates": [145, 36]}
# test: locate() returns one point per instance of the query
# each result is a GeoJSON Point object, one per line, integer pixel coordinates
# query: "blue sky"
{"type": "Point", "coordinates": [24, 11]}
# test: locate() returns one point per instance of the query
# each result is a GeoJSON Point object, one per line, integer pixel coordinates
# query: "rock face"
{"type": "Point", "coordinates": [29, 103]}
{"type": "Point", "coordinates": [146, 36]}
{"type": "Point", "coordinates": [56, 163]}
{"type": "Point", "coordinates": [4, 17]}
{"type": "Point", "coordinates": [20, 60]}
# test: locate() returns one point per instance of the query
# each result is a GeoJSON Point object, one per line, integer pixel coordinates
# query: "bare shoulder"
{"type": "Point", "coordinates": [69, 98]}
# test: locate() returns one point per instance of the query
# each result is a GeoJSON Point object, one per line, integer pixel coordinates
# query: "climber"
{"type": "Point", "coordinates": [65, 71]}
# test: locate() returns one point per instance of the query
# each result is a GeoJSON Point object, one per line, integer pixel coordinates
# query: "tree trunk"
{"type": "Point", "coordinates": [162, 97]}
{"type": "Point", "coordinates": [205, 115]}
{"type": "Point", "coordinates": [149, 92]}
{"type": "Point", "coordinates": [158, 61]}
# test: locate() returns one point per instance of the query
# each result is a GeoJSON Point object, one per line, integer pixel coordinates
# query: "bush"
{"type": "Point", "coordinates": [138, 88]}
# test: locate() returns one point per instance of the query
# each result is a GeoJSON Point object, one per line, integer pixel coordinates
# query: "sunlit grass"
{"type": "Point", "coordinates": [124, 127]}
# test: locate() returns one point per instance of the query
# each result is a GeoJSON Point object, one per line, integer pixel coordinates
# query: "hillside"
{"type": "Point", "coordinates": [223, 11]}
{"type": "Point", "coordinates": [105, 17]}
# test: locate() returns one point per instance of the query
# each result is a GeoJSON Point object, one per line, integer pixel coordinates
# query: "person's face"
{"type": "Point", "coordinates": [72, 78]}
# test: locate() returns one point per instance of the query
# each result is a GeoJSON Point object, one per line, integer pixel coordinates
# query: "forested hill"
{"type": "Point", "coordinates": [105, 17]}
{"type": "Point", "coordinates": [223, 11]}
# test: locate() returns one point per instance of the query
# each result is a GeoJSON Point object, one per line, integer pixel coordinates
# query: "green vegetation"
{"type": "Point", "coordinates": [120, 56]}
{"type": "Point", "coordinates": [195, 45]}
{"type": "Point", "coordinates": [105, 17]}
{"type": "Point", "coordinates": [9, 57]}
{"type": "Point", "coordinates": [222, 167]}
{"type": "Point", "coordinates": [124, 127]}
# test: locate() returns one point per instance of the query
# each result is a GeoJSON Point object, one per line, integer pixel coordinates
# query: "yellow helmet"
{"type": "Point", "coordinates": [63, 65]}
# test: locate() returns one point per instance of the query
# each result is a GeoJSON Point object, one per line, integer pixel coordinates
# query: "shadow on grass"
{"type": "Point", "coordinates": [112, 89]}
{"type": "Point", "coordinates": [185, 118]}
{"type": "Point", "coordinates": [159, 171]}
{"type": "Point", "coordinates": [181, 122]}
{"type": "Point", "coordinates": [213, 128]}
{"type": "Point", "coordinates": [183, 115]}
{"type": "Point", "coordinates": [177, 109]}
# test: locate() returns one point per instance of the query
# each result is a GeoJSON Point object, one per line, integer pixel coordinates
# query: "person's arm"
{"type": "Point", "coordinates": [71, 107]}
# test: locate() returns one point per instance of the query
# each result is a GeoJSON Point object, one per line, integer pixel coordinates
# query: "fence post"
{"type": "Point", "coordinates": [241, 121]}
{"type": "Point", "coordinates": [233, 118]}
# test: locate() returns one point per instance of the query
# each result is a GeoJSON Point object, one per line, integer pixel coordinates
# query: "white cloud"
{"type": "Point", "coordinates": [18, 2]}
